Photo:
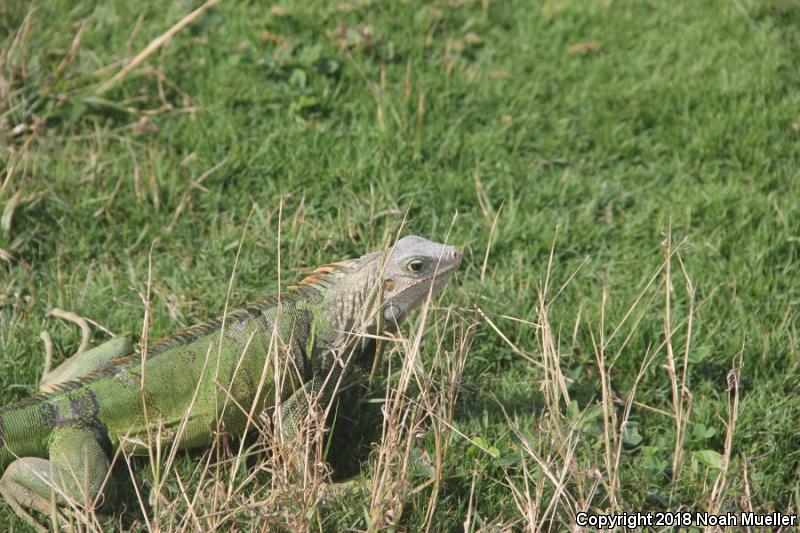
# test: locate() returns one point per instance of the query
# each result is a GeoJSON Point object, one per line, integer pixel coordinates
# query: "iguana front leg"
{"type": "Point", "coordinates": [299, 420]}
{"type": "Point", "coordinates": [317, 392]}
{"type": "Point", "coordinates": [85, 363]}
{"type": "Point", "coordinates": [74, 475]}
{"type": "Point", "coordinates": [296, 430]}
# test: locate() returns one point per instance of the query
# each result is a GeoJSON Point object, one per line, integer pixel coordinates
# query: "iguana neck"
{"type": "Point", "coordinates": [348, 292]}
{"type": "Point", "coordinates": [350, 305]}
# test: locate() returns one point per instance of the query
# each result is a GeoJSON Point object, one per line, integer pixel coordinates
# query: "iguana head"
{"type": "Point", "coordinates": [414, 268]}
{"type": "Point", "coordinates": [383, 287]}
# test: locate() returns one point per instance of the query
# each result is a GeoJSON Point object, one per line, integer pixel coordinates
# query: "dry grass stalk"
{"type": "Point", "coordinates": [405, 419]}
{"type": "Point", "coordinates": [154, 45]}
{"type": "Point", "coordinates": [551, 500]}
{"type": "Point", "coordinates": [681, 397]}
{"type": "Point", "coordinates": [718, 490]}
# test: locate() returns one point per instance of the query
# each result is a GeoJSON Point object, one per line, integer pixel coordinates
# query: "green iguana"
{"type": "Point", "coordinates": [57, 445]}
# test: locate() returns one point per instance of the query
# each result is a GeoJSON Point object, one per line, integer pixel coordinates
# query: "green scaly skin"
{"type": "Point", "coordinates": [57, 446]}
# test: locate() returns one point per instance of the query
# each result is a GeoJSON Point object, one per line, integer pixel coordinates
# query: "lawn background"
{"type": "Point", "coordinates": [609, 131]}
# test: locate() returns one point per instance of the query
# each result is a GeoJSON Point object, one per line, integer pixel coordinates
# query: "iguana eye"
{"type": "Point", "coordinates": [415, 265]}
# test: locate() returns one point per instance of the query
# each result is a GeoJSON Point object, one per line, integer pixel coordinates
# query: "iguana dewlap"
{"type": "Point", "coordinates": [210, 376]}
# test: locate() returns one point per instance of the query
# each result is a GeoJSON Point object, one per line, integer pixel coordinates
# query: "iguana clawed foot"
{"type": "Point", "coordinates": [74, 475]}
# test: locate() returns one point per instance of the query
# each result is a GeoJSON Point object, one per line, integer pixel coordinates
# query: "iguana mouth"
{"type": "Point", "coordinates": [444, 270]}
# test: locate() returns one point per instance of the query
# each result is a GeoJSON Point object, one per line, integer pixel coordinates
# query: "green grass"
{"type": "Point", "coordinates": [681, 129]}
